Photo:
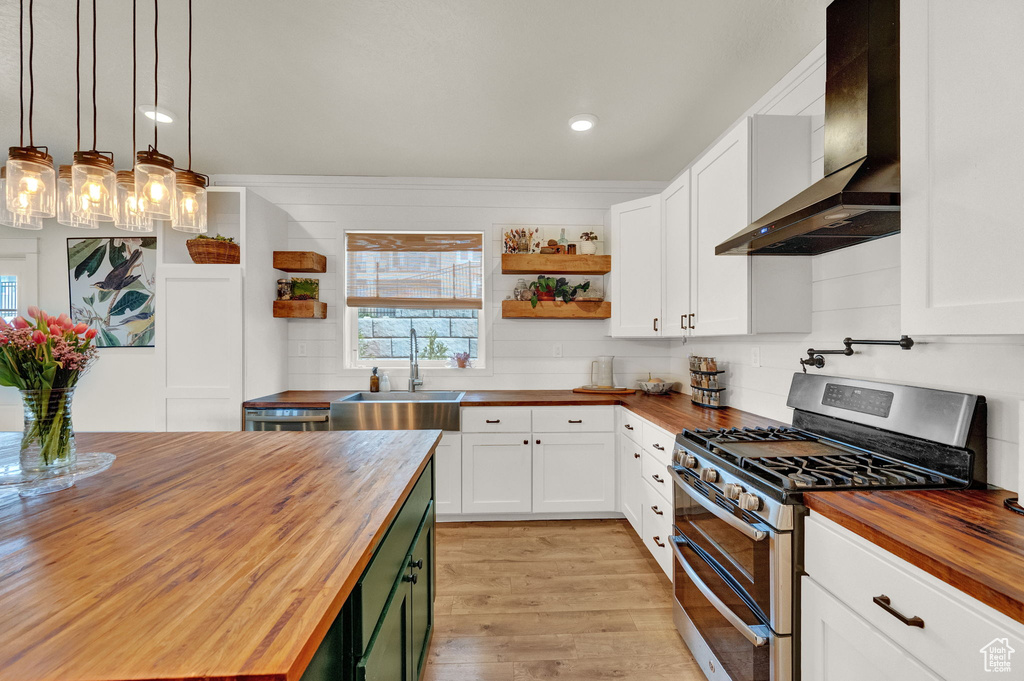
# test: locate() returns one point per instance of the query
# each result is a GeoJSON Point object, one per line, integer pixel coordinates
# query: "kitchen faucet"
{"type": "Point", "coordinates": [414, 362]}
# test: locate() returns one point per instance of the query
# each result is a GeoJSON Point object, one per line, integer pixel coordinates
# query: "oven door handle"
{"type": "Point", "coordinates": [758, 635]}
{"type": "Point", "coordinates": [258, 418]}
{"type": "Point", "coordinates": [747, 529]}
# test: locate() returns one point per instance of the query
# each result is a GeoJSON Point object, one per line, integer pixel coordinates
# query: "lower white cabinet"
{"type": "Point", "coordinates": [838, 645]}
{"type": "Point", "coordinates": [496, 473]}
{"type": "Point", "coordinates": [448, 474]}
{"type": "Point", "coordinates": [573, 472]}
{"type": "Point", "coordinates": [657, 526]}
{"type": "Point", "coordinates": [630, 499]}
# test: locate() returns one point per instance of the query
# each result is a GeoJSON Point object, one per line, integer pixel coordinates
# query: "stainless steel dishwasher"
{"type": "Point", "coordinates": [287, 419]}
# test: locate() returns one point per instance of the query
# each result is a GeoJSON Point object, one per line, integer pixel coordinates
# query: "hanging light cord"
{"type": "Point", "coordinates": [31, 74]}
{"type": "Point", "coordinates": [78, 74]}
{"type": "Point", "coordinates": [190, 84]}
{"type": "Point", "coordinates": [21, 71]}
{"type": "Point", "coordinates": [134, 78]}
{"type": "Point", "coordinates": [156, 65]}
{"type": "Point", "coordinates": [94, 75]}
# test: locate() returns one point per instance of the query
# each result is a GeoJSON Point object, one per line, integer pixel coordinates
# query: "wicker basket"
{"type": "Point", "coordinates": [213, 252]}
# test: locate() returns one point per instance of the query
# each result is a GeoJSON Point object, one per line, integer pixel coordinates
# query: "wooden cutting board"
{"type": "Point", "coordinates": [604, 391]}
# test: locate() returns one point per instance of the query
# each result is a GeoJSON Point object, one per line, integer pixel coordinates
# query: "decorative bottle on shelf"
{"type": "Point", "coordinates": [374, 381]}
{"type": "Point", "coordinates": [562, 241]}
{"type": "Point", "coordinates": [521, 291]}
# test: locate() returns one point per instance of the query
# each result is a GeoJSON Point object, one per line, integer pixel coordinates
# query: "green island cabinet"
{"type": "Point", "coordinates": [384, 629]}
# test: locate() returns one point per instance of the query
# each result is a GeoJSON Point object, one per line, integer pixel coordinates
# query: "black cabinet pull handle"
{"type": "Point", "coordinates": [575, 420]}
{"type": "Point", "coordinates": [629, 427]}
{"type": "Point", "coordinates": [885, 603]}
{"type": "Point", "coordinates": [636, 455]}
{"type": "Point", "coordinates": [538, 441]}
{"type": "Point", "coordinates": [411, 578]}
{"type": "Point", "coordinates": [659, 447]}
{"type": "Point", "coordinates": [416, 564]}
{"type": "Point", "coordinates": [691, 316]}
{"type": "Point", "coordinates": [655, 509]}
{"type": "Point", "coordinates": [494, 421]}
{"type": "Point", "coordinates": [526, 442]}
{"type": "Point", "coordinates": [657, 478]}
{"type": "Point", "coordinates": [661, 544]}
{"type": "Point", "coordinates": [655, 323]}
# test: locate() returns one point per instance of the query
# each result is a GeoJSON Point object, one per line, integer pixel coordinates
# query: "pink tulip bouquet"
{"type": "Point", "coordinates": [44, 358]}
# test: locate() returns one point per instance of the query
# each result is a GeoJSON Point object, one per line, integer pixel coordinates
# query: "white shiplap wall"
{"type": "Point", "coordinates": [856, 293]}
{"type": "Point", "coordinates": [520, 351]}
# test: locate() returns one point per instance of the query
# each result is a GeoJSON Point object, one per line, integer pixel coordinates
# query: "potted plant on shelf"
{"type": "Point", "coordinates": [550, 288]}
{"type": "Point", "coordinates": [213, 250]}
{"type": "Point", "coordinates": [44, 359]}
{"type": "Point", "coordinates": [589, 245]}
{"type": "Point", "coordinates": [461, 359]}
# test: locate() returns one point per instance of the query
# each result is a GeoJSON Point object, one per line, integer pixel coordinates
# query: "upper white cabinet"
{"type": "Point", "coordinates": [759, 164]}
{"type": "Point", "coordinates": [636, 270]}
{"type": "Point", "coordinates": [667, 280]}
{"type": "Point", "coordinates": [960, 106]}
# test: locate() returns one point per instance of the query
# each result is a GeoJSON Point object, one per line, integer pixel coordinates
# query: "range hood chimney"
{"type": "Point", "coordinates": [859, 197]}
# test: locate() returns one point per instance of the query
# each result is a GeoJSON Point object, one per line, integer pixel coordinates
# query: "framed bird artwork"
{"type": "Point", "coordinates": [112, 282]}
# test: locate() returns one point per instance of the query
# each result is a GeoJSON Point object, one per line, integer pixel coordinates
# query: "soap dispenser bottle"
{"type": "Point", "coordinates": [374, 381]}
{"type": "Point", "coordinates": [385, 382]}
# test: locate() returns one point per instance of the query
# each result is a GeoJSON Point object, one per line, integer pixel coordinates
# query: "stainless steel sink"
{"type": "Point", "coordinates": [422, 410]}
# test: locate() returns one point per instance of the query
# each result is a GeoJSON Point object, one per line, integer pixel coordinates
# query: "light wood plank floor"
{"type": "Point", "coordinates": [574, 600]}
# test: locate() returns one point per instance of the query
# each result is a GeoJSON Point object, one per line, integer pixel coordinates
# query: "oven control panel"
{"type": "Point", "coordinates": [863, 400]}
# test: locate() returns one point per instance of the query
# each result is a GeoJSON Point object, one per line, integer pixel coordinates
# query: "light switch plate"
{"type": "Point", "coordinates": [755, 356]}
{"type": "Point", "coordinates": [556, 350]}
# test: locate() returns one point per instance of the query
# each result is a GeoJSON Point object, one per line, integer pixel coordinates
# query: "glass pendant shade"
{"type": "Point", "coordinates": [155, 183]}
{"type": "Point", "coordinates": [129, 214]}
{"type": "Point", "coordinates": [66, 202]}
{"type": "Point", "coordinates": [93, 182]}
{"type": "Point", "coordinates": [190, 203]}
{"type": "Point", "coordinates": [9, 219]}
{"type": "Point", "coordinates": [31, 183]}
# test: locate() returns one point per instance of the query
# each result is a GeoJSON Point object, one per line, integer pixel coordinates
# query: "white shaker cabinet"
{"type": "Point", "coordinates": [961, 99]}
{"type": "Point", "coordinates": [448, 474]}
{"type": "Point", "coordinates": [675, 216]}
{"type": "Point", "coordinates": [630, 491]}
{"type": "Point", "coordinates": [759, 164]}
{"type": "Point", "coordinates": [573, 472]}
{"type": "Point", "coordinates": [496, 473]}
{"type": "Point", "coordinates": [636, 268]}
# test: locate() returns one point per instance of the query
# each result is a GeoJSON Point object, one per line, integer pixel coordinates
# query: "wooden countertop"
{"type": "Point", "coordinates": [197, 555]}
{"type": "Point", "coordinates": [672, 412]}
{"type": "Point", "coordinates": [965, 538]}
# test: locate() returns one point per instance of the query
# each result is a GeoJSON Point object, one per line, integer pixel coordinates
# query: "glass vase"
{"type": "Point", "coordinates": [48, 441]}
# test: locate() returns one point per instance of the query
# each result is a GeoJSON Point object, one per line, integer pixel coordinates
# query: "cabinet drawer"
{"type": "Point", "coordinates": [656, 475]}
{"type": "Point", "coordinates": [658, 442]}
{"type": "Point", "coordinates": [496, 420]}
{"type": "Point", "coordinates": [573, 419]}
{"type": "Point", "coordinates": [631, 425]}
{"type": "Point", "coordinates": [388, 561]}
{"type": "Point", "coordinates": [955, 628]}
{"type": "Point", "coordinates": [657, 526]}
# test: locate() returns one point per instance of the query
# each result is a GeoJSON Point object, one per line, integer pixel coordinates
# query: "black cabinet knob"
{"type": "Point", "coordinates": [417, 564]}
{"type": "Point", "coordinates": [411, 578]}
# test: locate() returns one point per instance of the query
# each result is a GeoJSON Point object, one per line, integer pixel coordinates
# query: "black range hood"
{"type": "Point", "coordinates": [859, 197]}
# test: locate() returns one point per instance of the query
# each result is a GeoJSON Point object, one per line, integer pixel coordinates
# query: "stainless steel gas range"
{"type": "Point", "coordinates": [738, 539]}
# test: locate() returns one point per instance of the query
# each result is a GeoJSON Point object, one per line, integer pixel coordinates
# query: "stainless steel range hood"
{"type": "Point", "coordinates": [859, 197]}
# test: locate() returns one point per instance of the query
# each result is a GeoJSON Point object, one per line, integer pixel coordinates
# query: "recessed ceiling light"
{"type": "Point", "coordinates": [583, 122]}
{"type": "Point", "coordinates": [158, 114]}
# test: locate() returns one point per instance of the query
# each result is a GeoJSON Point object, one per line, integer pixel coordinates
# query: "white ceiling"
{"type": "Point", "coordinates": [432, 88]}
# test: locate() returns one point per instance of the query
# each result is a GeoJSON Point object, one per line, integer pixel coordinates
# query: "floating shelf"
{"type": "Point", "coordinates": [300, 261]}
{"type": "Point", "coordinates": [536, 263]}
{"type": "Point", "coordinates": [522, 309]}
{"type": "Point", "coordinates": [300, 309]}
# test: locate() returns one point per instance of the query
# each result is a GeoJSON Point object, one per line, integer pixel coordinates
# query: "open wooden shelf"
{"type": "Point", "coordinates": [300, 309]}
{"type": "Point", "coordinates": [521, 309]}
{"type": "Point", "coordinates": [300, 261]}
{"type": "Point", "coordinates": [536, 263]}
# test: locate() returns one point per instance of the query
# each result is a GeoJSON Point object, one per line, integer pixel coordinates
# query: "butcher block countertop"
{"type": "Point", "coordinates": [197, 555]}
{"type": "Point", "coordinates": [673, 412]}
{"type": "Point", "coordinates": [965, 538]}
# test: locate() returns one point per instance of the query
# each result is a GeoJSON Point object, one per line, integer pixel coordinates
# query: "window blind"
{"type": "Point", "coordinates": [415, 270]}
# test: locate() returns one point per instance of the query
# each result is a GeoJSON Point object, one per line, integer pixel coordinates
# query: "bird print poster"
{"type": "Point", "coordinates": [112, 283]}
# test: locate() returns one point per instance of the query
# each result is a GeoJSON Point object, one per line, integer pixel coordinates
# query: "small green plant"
{"type": "Point", "coordinates": [558, 288]}
{"type": "Point", "coordinates": [434, 349]}
{"type": "Point", "coordinates": [216, 237]}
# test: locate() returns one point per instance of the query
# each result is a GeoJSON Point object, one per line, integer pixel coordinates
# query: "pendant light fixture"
{"type": "Point", "coordinates": [31, 187]}
{"type": "Point", "coordinates": [154, 172]}
{"type": "Point", "coordinates": [8, 218]}
{"type": "Point", "coordinates": [66, 202]}
{"type": "Point", "coordinates": [92, 174]}
{"type": "Point", "coordinates": [190, 192]}
{"type": "Point", "coordinates": [129, 215]}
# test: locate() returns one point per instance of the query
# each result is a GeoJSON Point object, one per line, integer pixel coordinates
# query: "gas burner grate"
{"type": "Point", "coordinates": [727, 435]}
{"type": "Point", "coordinates": [841, 470]}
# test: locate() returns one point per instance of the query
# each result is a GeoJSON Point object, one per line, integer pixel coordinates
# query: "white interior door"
{"type": "Point", "coordinates": [199, 347]}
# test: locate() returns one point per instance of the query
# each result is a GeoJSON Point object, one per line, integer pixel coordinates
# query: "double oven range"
{"type": "Point", "coordinates": [738, 539]}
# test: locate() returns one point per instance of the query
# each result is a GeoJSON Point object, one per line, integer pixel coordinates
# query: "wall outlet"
{"type": "Point", "coordinates": [755, 356]}
{"type": "Point", "coordinates": [556, 350]}
{"type": "Point", "coordinates": [300, 349]}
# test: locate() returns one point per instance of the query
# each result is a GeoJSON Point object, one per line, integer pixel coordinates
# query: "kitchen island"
{"type": "Point", "coordinates": [211, 555]}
